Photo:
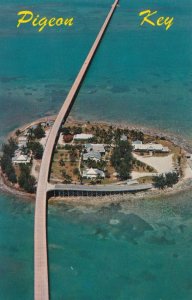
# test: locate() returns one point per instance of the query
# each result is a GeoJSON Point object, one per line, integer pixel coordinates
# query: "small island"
{"type": "Point", "coordinates": [94, 154]}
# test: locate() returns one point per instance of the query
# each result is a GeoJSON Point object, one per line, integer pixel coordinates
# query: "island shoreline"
{"type": "Point", "coordinates": [181, 186]}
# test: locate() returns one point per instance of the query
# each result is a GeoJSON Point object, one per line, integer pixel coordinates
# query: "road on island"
{"type": "Point", "coordinates": [41, 280]}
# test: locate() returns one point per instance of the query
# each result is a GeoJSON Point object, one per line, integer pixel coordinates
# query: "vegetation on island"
{"type": "Point", "coordinates": [67, 177]}
{"type": "Point", "coordinates": [165, 180]}
{"type": "Point", "coordinates": [36, 148]}
{"type": "Point", "coordinates": [72, 158]}
{"type": "Point", "coordinates": [36, 133]}
{"type": "Point", "coordinates": [25, 180]}
{"type": "Point", "coordinates": [7, 168]}
{"type": "Point", "coordinates": [117, 163]}
{"type": "Point", "coordinates": [121, 159]}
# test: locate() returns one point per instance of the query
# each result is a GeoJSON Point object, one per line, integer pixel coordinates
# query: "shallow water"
{"type": "Point", "coordinates": [137, 250]}
{"type": "Point", "coordinates": [16, 248]}
{"type": "Point", "coordinates": [140, 74]}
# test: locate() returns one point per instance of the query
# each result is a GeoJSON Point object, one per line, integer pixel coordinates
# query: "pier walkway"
{"type": "Point", "coordinates": [41, 280]}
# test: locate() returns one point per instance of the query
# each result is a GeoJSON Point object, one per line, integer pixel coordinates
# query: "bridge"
{"type": "Point", "coordinates": [66, 190]}
{"type": "Point", "coordinates": [41, 279]}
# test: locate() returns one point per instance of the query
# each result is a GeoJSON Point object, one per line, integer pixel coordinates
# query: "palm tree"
{"type": "Point", "coordinates": [31, 134]}
{"type": "Point", "coordinates": [98, 178]}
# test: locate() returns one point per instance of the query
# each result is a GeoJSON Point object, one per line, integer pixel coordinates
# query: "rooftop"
{"type": "Point", "coordinates": [92, 155]}
{"type": "Point", "coordinates": [21, 158]}
{"type": "Point", "coordinates": [150, 147]}
{"type": "Point", "coordinates": [93, 173]}
{"type": "Point", "coordinates": [95, 148]}
{"type": "Point", "coordinates": [82, 136]}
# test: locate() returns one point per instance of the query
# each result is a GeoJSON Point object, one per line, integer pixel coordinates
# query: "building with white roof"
{"type": "Point", "coordinates": [44, 124]}
{"type": "Point", "coordinates": [22, 141]}
{"type": "Point", "coordinates": [93, 173]}
{"type": "Point", "coordinates": [21, 159]}
{"type": "Point", "coordinates": [95, 148]}
{"type": "Point", "coordinates": [82, 136]}
{"type": "Point", "coordinates": [96, 156]}
{"type": "Point", "coordinates": [149, 147]}
{"type": "Point", "coordinates": [137, 142]}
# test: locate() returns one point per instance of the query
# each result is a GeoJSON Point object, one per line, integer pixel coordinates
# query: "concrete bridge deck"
{"type": "Point", "coordinates": [77, 189]}
{"type": "Point", "coordinates": [41, 280]}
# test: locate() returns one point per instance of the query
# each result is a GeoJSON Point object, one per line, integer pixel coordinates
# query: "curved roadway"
{"type": "Point", "coordinates": [41, 280]}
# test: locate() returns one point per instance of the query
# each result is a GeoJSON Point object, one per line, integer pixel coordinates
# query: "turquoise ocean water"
{"type": "Point", "coordinates": [140, 75]}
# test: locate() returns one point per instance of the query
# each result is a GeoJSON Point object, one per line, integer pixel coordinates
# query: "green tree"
{"type": "Point", "coordinates": [124, 170]}
{"type": "Point", "coordinates": [98, 179]}
{"type": "Point", "coordinates": [10, 147]}
{"type": "Point", "coordinates": [61, 162]}
{"type": "Point", "coordinates": [36, 148]}
{"type": "Point", "coordinates": [6, 160]}
{"type": "Point", "coordinates": [25, 180]}
{"type": "Point", "coordinates": [10, 172]}
{"type": "Point", "coordinates": [67, 178]}
{"type": "Point", "coordinates": [171, 178]}
{"type": "Point", "coordinates": [66, 130]}
{"type": "Point", "coordinates": [18, 132]}
{"type": "Point", "coordinates": [167, 180]}
{"type": "Point", "coordinates": [159, 182]}
{"type": "Point", "coordinates": [31, 134]}
{"type": "Point", "coordinates": [39, 132]}
{"type": "Point", "coordinates": [122, 160]}
{"type": "Point", "coordinates": [76, 171]}
{"type": "Point", "coordinates": [77, 130]}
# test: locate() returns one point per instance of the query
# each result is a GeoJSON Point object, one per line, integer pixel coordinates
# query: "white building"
{"type": "Point", "coordinates": [137, 142]}
{"type": "Point", "coordinates": [22, 141]}
{"type": "Point", "coordinates": [149, 147]}
{"type": "Point", "coordinates": [95, 148]}
{"type": "Point", "coordinates": [21, 159]}
{"type": "Point", "coordinates": [44, 124]}
{"type": "Point", "coordinates": [93, 173]}
{"type": "Point", "coordinates": [96, 156]}
{"type": "Point", "coordinates": [82, 137]}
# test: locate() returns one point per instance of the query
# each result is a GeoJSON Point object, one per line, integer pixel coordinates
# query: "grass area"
{"type": "Point", "coordinates": [100, 133]}
{"type": "Point", "coordinates": [145, 179]}
{"type": "Point", "coordinates": [142, 167]}
{"type": "Point", "coordinates": [57, 169]}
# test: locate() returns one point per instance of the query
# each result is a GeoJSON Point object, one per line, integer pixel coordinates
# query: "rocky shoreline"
{"type": "Point", "coordinates": [7, 187]}
{"type": "Point", "coordinates": [117, 199]}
